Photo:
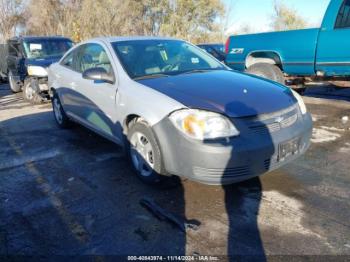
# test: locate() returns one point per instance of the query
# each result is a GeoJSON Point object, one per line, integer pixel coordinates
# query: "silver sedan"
{"type": "Point", "coordinates": [177, 110]}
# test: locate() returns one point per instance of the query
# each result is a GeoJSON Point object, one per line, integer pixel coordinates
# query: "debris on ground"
{"type": "Point", "coordinates": [165, 215]}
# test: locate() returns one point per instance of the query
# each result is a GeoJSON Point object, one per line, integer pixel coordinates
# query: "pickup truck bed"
{"type": "Point", "coordinates": [317, 53]}
{"type": "Point", "coordinates": [296, 49]}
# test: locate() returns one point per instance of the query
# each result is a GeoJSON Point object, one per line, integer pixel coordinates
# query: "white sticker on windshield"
{"type": "Point", "coordinates": [194, 60]}
{"type": "Point", "coordinates": [33, 47]}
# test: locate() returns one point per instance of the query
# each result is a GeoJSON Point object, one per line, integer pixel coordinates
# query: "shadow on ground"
{"type": "Point", "coordinates": [327, 92]}
{"type": "Point", "coordinates": [85, 199]}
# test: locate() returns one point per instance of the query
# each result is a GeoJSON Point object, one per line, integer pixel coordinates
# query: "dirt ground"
{"type": "Point", "coordinates": [71, 192]}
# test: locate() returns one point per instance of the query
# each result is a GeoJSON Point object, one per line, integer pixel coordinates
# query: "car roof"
{"type": "Point", "coordinates": [40, 38]}
{"type": "Point", "coordinates": [131, 38]}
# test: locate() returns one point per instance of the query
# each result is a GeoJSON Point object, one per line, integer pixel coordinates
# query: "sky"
{"type": "Point", "coordinates": [257, 13]}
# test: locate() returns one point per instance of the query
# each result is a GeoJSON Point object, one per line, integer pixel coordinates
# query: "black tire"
{"type": "Point", "coordinates": [14, 86]}
{"type": "Point", "coordinates": [31, 91]}
{"type": "Point", "coordinates": [155, 174]}
{"type": "Point", "coordinates": [63, 121]}
{"type": "Point", "coordinates": [268, 71]}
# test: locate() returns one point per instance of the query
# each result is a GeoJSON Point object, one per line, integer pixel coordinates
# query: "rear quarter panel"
{"type": "Point", "coordinates": [296, 49]}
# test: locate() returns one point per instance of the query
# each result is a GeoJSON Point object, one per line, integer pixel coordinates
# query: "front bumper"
{"type": "Point", "coordinates": [227, 161]}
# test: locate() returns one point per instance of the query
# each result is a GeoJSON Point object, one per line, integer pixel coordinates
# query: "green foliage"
{"type": "Point", "coordinates": [193, 20]}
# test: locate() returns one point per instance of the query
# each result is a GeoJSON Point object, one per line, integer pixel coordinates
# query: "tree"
{"type": "Point", "coordinates": [193, 20]}
{"type": "Point", "coordinates": [51, 17]}
{"type": "Point", "coordinates": [286, 18]}
{"type": "Point", "coordinates": [11, 16]}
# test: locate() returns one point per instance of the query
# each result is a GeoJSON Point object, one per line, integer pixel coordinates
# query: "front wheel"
{"type": "Point", "coordinates": [31, 91]}
{"type": "Point", "coordinates": [14, 85]}
{"type": "Point", "coordinates": [268, 71]}
{"type": "Point", "coordinates": [145, 154]}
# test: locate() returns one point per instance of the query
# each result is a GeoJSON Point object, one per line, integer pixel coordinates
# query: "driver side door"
{"type": "Point", "coordinates": [97, 99]}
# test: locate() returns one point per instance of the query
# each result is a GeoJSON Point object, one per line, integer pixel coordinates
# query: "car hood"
{"type": "Point", "coordinates": [227, 92]}
{"type": "Point", "coordinates": [46, 62]}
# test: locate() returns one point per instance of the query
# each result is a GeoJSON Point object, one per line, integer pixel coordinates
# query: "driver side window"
{"type": "Point", "coordinates": [68, 60]}
{"type": "Point", "coordinates": [92, 56]}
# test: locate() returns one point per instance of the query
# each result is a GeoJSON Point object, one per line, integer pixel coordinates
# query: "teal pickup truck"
{"type": "Point", "coordinates": [319, 53]}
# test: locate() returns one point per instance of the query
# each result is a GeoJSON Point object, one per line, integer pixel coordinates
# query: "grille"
{"type": "Point", "coordinates": [283, 112]}
{"type": "Point", "coordinates": [226, 172]}
{"type": "Point", "coordinates": [267, 164]}
{"type": "Point", "coordinates": [266, 129]}
{"type": "Point", "coordinates": [268, 123]}
{"type": "Point", "coordinates": [289, 121]}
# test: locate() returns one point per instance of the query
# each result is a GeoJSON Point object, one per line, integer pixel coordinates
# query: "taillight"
{"type": "Point", "coordinates": [227, 45]}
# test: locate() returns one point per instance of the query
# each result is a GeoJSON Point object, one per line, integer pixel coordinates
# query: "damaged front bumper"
{"type": "Point", "coordinates": [227, 161]}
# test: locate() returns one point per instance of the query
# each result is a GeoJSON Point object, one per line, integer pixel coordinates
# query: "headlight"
{"type": "Point", "coordinates": [202, 125]}
{"type": "Point", "coordinates": [301, 103]}
{"type": "Point", "coordinates": [37, 71]}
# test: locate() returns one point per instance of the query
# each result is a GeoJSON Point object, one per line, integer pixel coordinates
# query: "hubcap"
{"type": "Point", "coordinates": [29, 91]}
{"type": "Point", "coordinates": [57, 110]}
{"type": "Point", "coordinates": [142, 155]}
{"type": "Point", "coordinates": [11, 81]}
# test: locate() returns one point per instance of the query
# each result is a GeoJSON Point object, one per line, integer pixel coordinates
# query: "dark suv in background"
{"type": "Point", "coordinates": [216, 50]}
{"type": "Point", "coordinates": [24, 63]}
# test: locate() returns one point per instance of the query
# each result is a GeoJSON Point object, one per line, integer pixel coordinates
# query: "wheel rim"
{"type": "Point", "coordinates": [11, 81]}
{"type": "Point", "coordinates": [57, 111]}
{"type": "Point", "coordinates": [142, 155]}
{"type": "Point", "coordinates": [29, 91]}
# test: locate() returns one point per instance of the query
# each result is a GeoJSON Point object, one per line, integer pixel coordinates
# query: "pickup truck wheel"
{"type": "Point", "coordinates": [144, 153]}
{"type": "Point", "coordinates": [268, 71]}
{"type": "Point", "coordinates": [14, 86]}
{"type": "Point", "coordinates": [61, 118]}
{"type": "Point", "coordinates": [31, 91]}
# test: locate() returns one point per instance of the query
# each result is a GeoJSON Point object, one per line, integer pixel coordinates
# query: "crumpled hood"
{"type": "Point", "coordinates": [227, 92]}
{"type": "Point", "coordinates": [43, 62]}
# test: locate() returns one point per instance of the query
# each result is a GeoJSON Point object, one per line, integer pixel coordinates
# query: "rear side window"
{"type": "Point", "coordinates": [343, 18]}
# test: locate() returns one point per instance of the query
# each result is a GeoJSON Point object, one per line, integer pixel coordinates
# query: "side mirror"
{"type": "Point", "coordinates": [98, 74]}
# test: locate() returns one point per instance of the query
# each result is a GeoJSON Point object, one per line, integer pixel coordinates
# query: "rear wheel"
{"type": "Point", "coordinates": [13, 81]}
{"type": "Point", "coordinates": [61, 118]}
{"type": "Point", "coordinates": [144, 152]}
{"type": "Point", "coordinates": [268, 71]}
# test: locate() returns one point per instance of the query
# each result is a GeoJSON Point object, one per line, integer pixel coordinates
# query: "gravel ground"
{"type": "Point", "coordinates": [71, 192]}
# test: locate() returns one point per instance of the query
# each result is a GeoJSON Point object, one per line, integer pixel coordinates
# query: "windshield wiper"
{"type": "Point", "coordinates": [150, 76]}
{"type": "Point", "coordinates": [197, 71]}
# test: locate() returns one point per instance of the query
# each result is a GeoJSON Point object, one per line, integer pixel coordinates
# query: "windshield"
{"type": "Point", "coordinates": [142, 58]}
{"type": "Point", "coordinates": [43, 48]}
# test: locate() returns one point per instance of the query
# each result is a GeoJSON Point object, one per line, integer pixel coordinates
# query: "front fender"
{"type": "Point", "coordinates": [136, 99]}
